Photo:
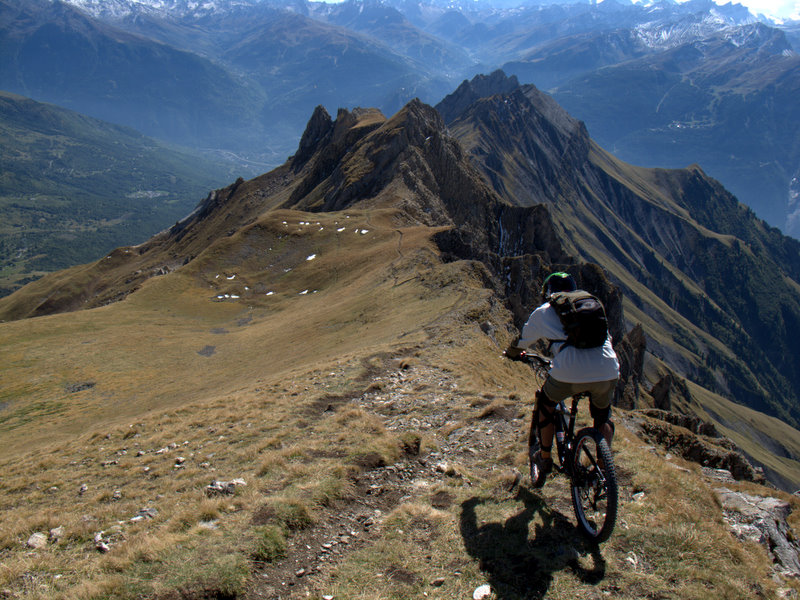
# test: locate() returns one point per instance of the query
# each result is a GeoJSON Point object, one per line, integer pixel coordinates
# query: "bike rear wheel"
{"type": "Point", "coordinates": [594, 485]}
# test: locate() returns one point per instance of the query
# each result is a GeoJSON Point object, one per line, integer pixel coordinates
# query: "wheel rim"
{"type": "Point", "coordinates": [589, 488]}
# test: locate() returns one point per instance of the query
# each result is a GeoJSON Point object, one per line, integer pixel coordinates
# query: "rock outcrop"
{"type": "Point", "coordinates": [763, 520]}
{"type": "Point", "coordinates": [667, 431]}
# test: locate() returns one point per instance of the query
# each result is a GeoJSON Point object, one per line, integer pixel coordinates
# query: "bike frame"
{"type": "Point", "coordinates": [594, 490]}
{"type": "Point", "coordinates": [565, 422]}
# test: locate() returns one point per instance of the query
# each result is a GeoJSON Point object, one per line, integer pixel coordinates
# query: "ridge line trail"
{"type": "Point", "coordinates": [480, 430]}
{"type": "Point", "coordinates": [473, 442]}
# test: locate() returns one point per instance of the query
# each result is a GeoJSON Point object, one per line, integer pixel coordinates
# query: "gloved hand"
{"type": "Point", "coordinates": [513, 352]}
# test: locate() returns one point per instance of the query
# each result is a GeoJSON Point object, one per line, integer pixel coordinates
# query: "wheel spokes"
{"type": "Point", "coordinates": [591, 482]}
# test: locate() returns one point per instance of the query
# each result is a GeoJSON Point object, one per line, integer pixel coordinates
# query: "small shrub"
{"type": "Point", "coordinates": [411, 442]}
{"type": "Point", "coordinates": [184, 519]}
{"type": "Point", "coordinates": [330, 489]}
{"type": "Point", "coordinates": [228, 577]}
{"type": "Point", "coordinates": [273, 461]}
{"type": "Point", "coordinates": [209, 510]}
{"type": "Point", "coordinates": [270, 543]}
{"type": "Point", "coordinates": [291, 515]}
{"type": "Point", "coordinates": [294, 515]}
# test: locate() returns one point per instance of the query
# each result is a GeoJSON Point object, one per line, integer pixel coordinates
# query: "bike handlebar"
{"type": "Point", "coordinates": [532, 358]}
{"type": "Point", "coordinates": [535, 357]}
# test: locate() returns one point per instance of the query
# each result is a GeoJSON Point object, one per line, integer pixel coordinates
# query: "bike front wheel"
{"type": "Point", "coordinates": [594, 485]}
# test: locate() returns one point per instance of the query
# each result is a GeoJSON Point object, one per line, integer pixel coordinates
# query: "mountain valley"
{"type": "Point", "coordinates": [243, 76]}
{"type": "Point", "coordinates": [296, 388]}
{"type": "Point", "coordinates": [74, 188]}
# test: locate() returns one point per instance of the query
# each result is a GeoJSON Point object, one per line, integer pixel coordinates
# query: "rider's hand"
{"type": "Point", "coordinates": [513, 353]}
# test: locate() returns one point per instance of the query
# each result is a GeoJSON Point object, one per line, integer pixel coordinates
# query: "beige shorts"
{"type": "Point", "coordinates": [600, 392]}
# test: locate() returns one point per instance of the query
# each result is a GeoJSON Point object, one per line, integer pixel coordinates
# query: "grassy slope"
{"type": "Point", "coordinates": [256, 408]}
{"type": "Point", "coordinates": [155, 336]}
{"type": "Point", "coordinates": [768, 441]}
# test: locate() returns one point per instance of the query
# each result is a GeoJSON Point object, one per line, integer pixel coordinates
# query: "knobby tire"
{"type": "Point", "coordinates": [537, 479]}
{"type": "Point", "coordinates": [594, 490]}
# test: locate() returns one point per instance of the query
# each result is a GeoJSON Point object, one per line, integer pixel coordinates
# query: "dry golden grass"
{"type": "Point", "coordinates": [251, 409]}
{"type": "Point", "coordinates": [145, 353]}
{"type": "Point", "coordinates": [670, 544]}
{"type": "Point", "coordinates": [276, 403]}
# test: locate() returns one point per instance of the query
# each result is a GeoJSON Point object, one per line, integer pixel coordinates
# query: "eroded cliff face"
{"type": "Point", "coordinates": [691, 259]}
{"type": "Point", "coordinates": [412, 163]}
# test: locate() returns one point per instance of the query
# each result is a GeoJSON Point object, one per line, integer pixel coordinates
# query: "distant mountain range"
{"type": "Point", "coordinates": [725, 102]}
{"type": "Point", "coordinates": [659, 85]}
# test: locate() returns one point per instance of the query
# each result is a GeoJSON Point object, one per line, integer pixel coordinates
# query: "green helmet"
{"type": "Point", "coordinates": [558, 282]}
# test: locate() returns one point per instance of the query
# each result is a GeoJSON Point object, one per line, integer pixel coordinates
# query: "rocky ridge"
{"type": "Point", "coordinates": [455, 437]}
{"type": "Point", "coordinates": [653, 231]}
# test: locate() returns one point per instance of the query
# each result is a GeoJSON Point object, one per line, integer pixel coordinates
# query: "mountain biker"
{"type": "Point", "coordinates": [574, 370]}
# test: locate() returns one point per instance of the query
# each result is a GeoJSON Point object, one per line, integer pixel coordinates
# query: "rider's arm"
{"type": "Point", "coordinates": [536, 328]}
{"type": "Point", "coordinates": [527, 338]}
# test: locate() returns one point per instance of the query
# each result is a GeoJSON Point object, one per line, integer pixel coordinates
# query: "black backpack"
{"type": "Point", "coordinates": [583, 318]}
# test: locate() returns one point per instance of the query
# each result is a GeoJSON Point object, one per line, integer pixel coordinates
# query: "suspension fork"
{"type": "Point", "coordinates": [569, 436]}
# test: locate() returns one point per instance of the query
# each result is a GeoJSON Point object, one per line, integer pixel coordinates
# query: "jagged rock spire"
{"type": "Point", "coordinates": [319, 126]}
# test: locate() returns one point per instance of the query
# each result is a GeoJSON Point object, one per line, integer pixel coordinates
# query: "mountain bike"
{"type": "Point", "coordinates": [585, 458]}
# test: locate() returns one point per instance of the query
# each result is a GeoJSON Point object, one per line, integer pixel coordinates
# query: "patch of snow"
{"type": "Point", "coordinates": [311, 257]}
{"type": "Point", "coordinates": [303, 293]}
{"type": "Point", "coordinates": [269, 293]}
{"type": "Point", "coordinates": [231, 277]}
{"type": "Point", "coordinates": [340, 230]}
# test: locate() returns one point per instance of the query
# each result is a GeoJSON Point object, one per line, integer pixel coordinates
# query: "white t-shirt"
{"type": "Point", "coordinates": [570, 364]}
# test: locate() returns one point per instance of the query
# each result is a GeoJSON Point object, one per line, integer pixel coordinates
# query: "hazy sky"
{"type": "Point", "coordinates": [778, 8]}
{"type": "Point", "coordinates": [785, 9]}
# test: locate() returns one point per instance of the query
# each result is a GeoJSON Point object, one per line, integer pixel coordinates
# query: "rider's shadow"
{"type": "Point", "coordinates": [520, 565]}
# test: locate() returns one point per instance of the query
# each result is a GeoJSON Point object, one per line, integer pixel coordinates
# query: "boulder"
{"type": "Point", "coordinates": [224, 488]}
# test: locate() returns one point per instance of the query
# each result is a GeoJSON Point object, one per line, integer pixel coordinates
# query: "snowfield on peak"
{"type": "Point", "coordinates": [119, 9]}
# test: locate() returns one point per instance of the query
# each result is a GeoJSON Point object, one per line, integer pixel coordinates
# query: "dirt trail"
{"type": "Point", "coordinates": [475, 438]}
